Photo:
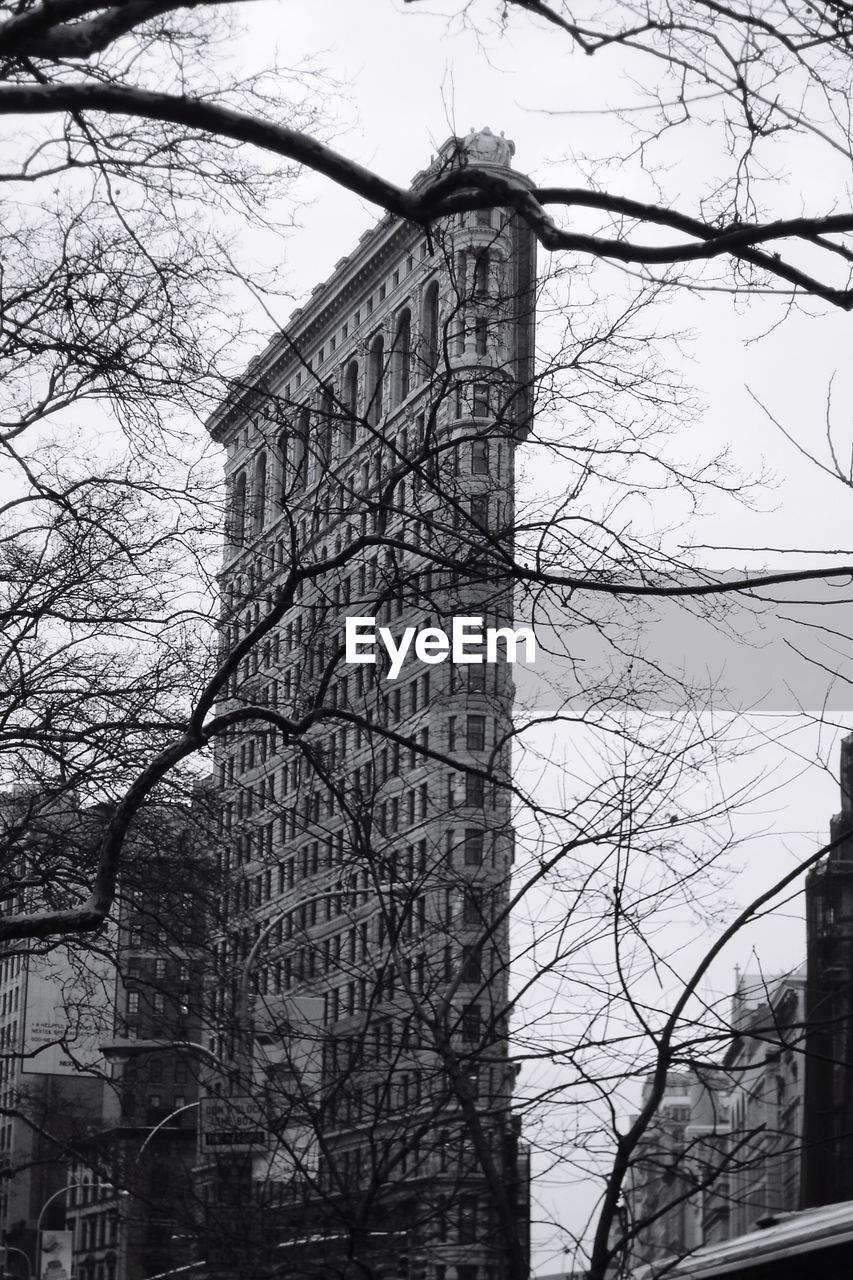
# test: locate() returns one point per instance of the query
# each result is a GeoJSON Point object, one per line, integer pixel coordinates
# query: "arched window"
{"type": "Point", "coordinates": [429, 327]}
{"type": "Point", "coordinates": [376, 375]}
{"type": "Point", "coordinates": [238, 511]}
{"type": "Point", "coordinates": [259, 494]}
{"type": "Point", "coordinates": [350, 405]}
{"type": "Point", "coordinates": [402, 356]}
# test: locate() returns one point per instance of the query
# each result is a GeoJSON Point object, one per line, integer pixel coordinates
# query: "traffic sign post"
{"type": "Point", "coordinates": [235, 1124]}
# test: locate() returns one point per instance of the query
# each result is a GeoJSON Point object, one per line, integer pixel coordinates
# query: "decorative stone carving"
{"type": "Point", "coordinates": [484, 147]}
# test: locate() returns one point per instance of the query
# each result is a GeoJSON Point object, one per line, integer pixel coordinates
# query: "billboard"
{"type": "Point", "coordinates": [55, 1253]}
{"type": "Point", "coordinates": [66, 1011]}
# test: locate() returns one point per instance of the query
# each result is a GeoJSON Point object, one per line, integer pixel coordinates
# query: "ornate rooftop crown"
{"type": "Point", "coordinates": [484, 147]}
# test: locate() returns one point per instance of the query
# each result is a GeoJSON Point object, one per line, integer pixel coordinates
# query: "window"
{"type": "Point", "coordinates": [477, 678]}
{"type": "Point", "coordinates": [475, 734]}
{"type": "Point", "coordinates": [472, 970]}
{"type": "Point", "coordinates": [481, 276]}
{"type": "Point", "coordinates": [350, 399]}
{"type": "Point", "coordinates": [376, 373]}
{"type": "Point", "coordinates": [461, 273]}
{"type": "Point", "coordinates": [133, 1002]}
{"type": "Point", "coordinates": [471, 1022]}
{"type": "Point", "coordinates": [480, 457]}
{"type": "Point", "coordinates": [259, 494]}
{"type": "Point", "coordinates": [238, 511]}
{"type": "Point", "coordinates": [473, 907]}
{"type": "Point", "coordinates": [298, 446]}
{"type": "Point", "coordinates": [481, 335]}
{"type": "Point", "coordinates": [473, 848]}
{"type": "Point", "coordinates": [480, 400]}
{"type": "Point", "coordinates": [326, 409]}
{"type": "Point", "coordinates": [475, 789]}
{"type": "Point", "coordinates": [429, 327]}
{"type": "Point", "coordinates": [480, 509]}
{"type": "Point", "coordinates": [284, 469]}
{"type": "Point", "coordinates": [402, 356]}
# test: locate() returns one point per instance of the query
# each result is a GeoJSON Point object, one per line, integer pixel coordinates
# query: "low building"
{"type": "Point", "coordinates": [74, 1129]}
{"type": "Point", "coordinates": [678, 1189]}
{"type": "Point", "coordinates": [723, 1152]}
{"type": "Point", "coordinates": [131, 1203]}
{"type": "Point", "coordinates": [764, 1070]}
{"type": "Point", "coordinates": [51, 1008]}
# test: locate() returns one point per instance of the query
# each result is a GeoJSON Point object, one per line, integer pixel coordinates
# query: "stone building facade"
{"type": "Point", "coordinates": [366, 822]}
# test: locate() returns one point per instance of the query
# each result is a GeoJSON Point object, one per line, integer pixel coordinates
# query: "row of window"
{"type": "Point", "coordinates": [316, 856]}
{"type": "Point", "coordinates": [9, 1001]}
{"type": "Point", "coordinates": [338, 503]}
{"type": "Point", "coordinates": [408, 917]}
{"type": "Point", "coordinates": [471, 736]}
{"type": "Point", "coordinates": [391, 814]}
{"type": "Point", "coordinates": [408, 1089]}
{"type": "Point", "coordinates": [96, 1231]}
{"type": "Point", "coordinates": [422, 586]}
{"type": "Point", "coordinates": [307, 963]}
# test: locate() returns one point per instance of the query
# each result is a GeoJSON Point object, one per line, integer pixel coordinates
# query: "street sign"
{"type": "Point", "coordinates": [232, 1124]}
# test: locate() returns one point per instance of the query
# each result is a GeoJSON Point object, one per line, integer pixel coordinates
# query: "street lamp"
{"type": "Point", "coordinates": [188, 1106]}
{"type": "Point", "coordinates": [8, 1248]}
{"type": "Point", "coordinates": [71, 1186]}
{"type": "Point", "coordinates": [119, 1049]}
